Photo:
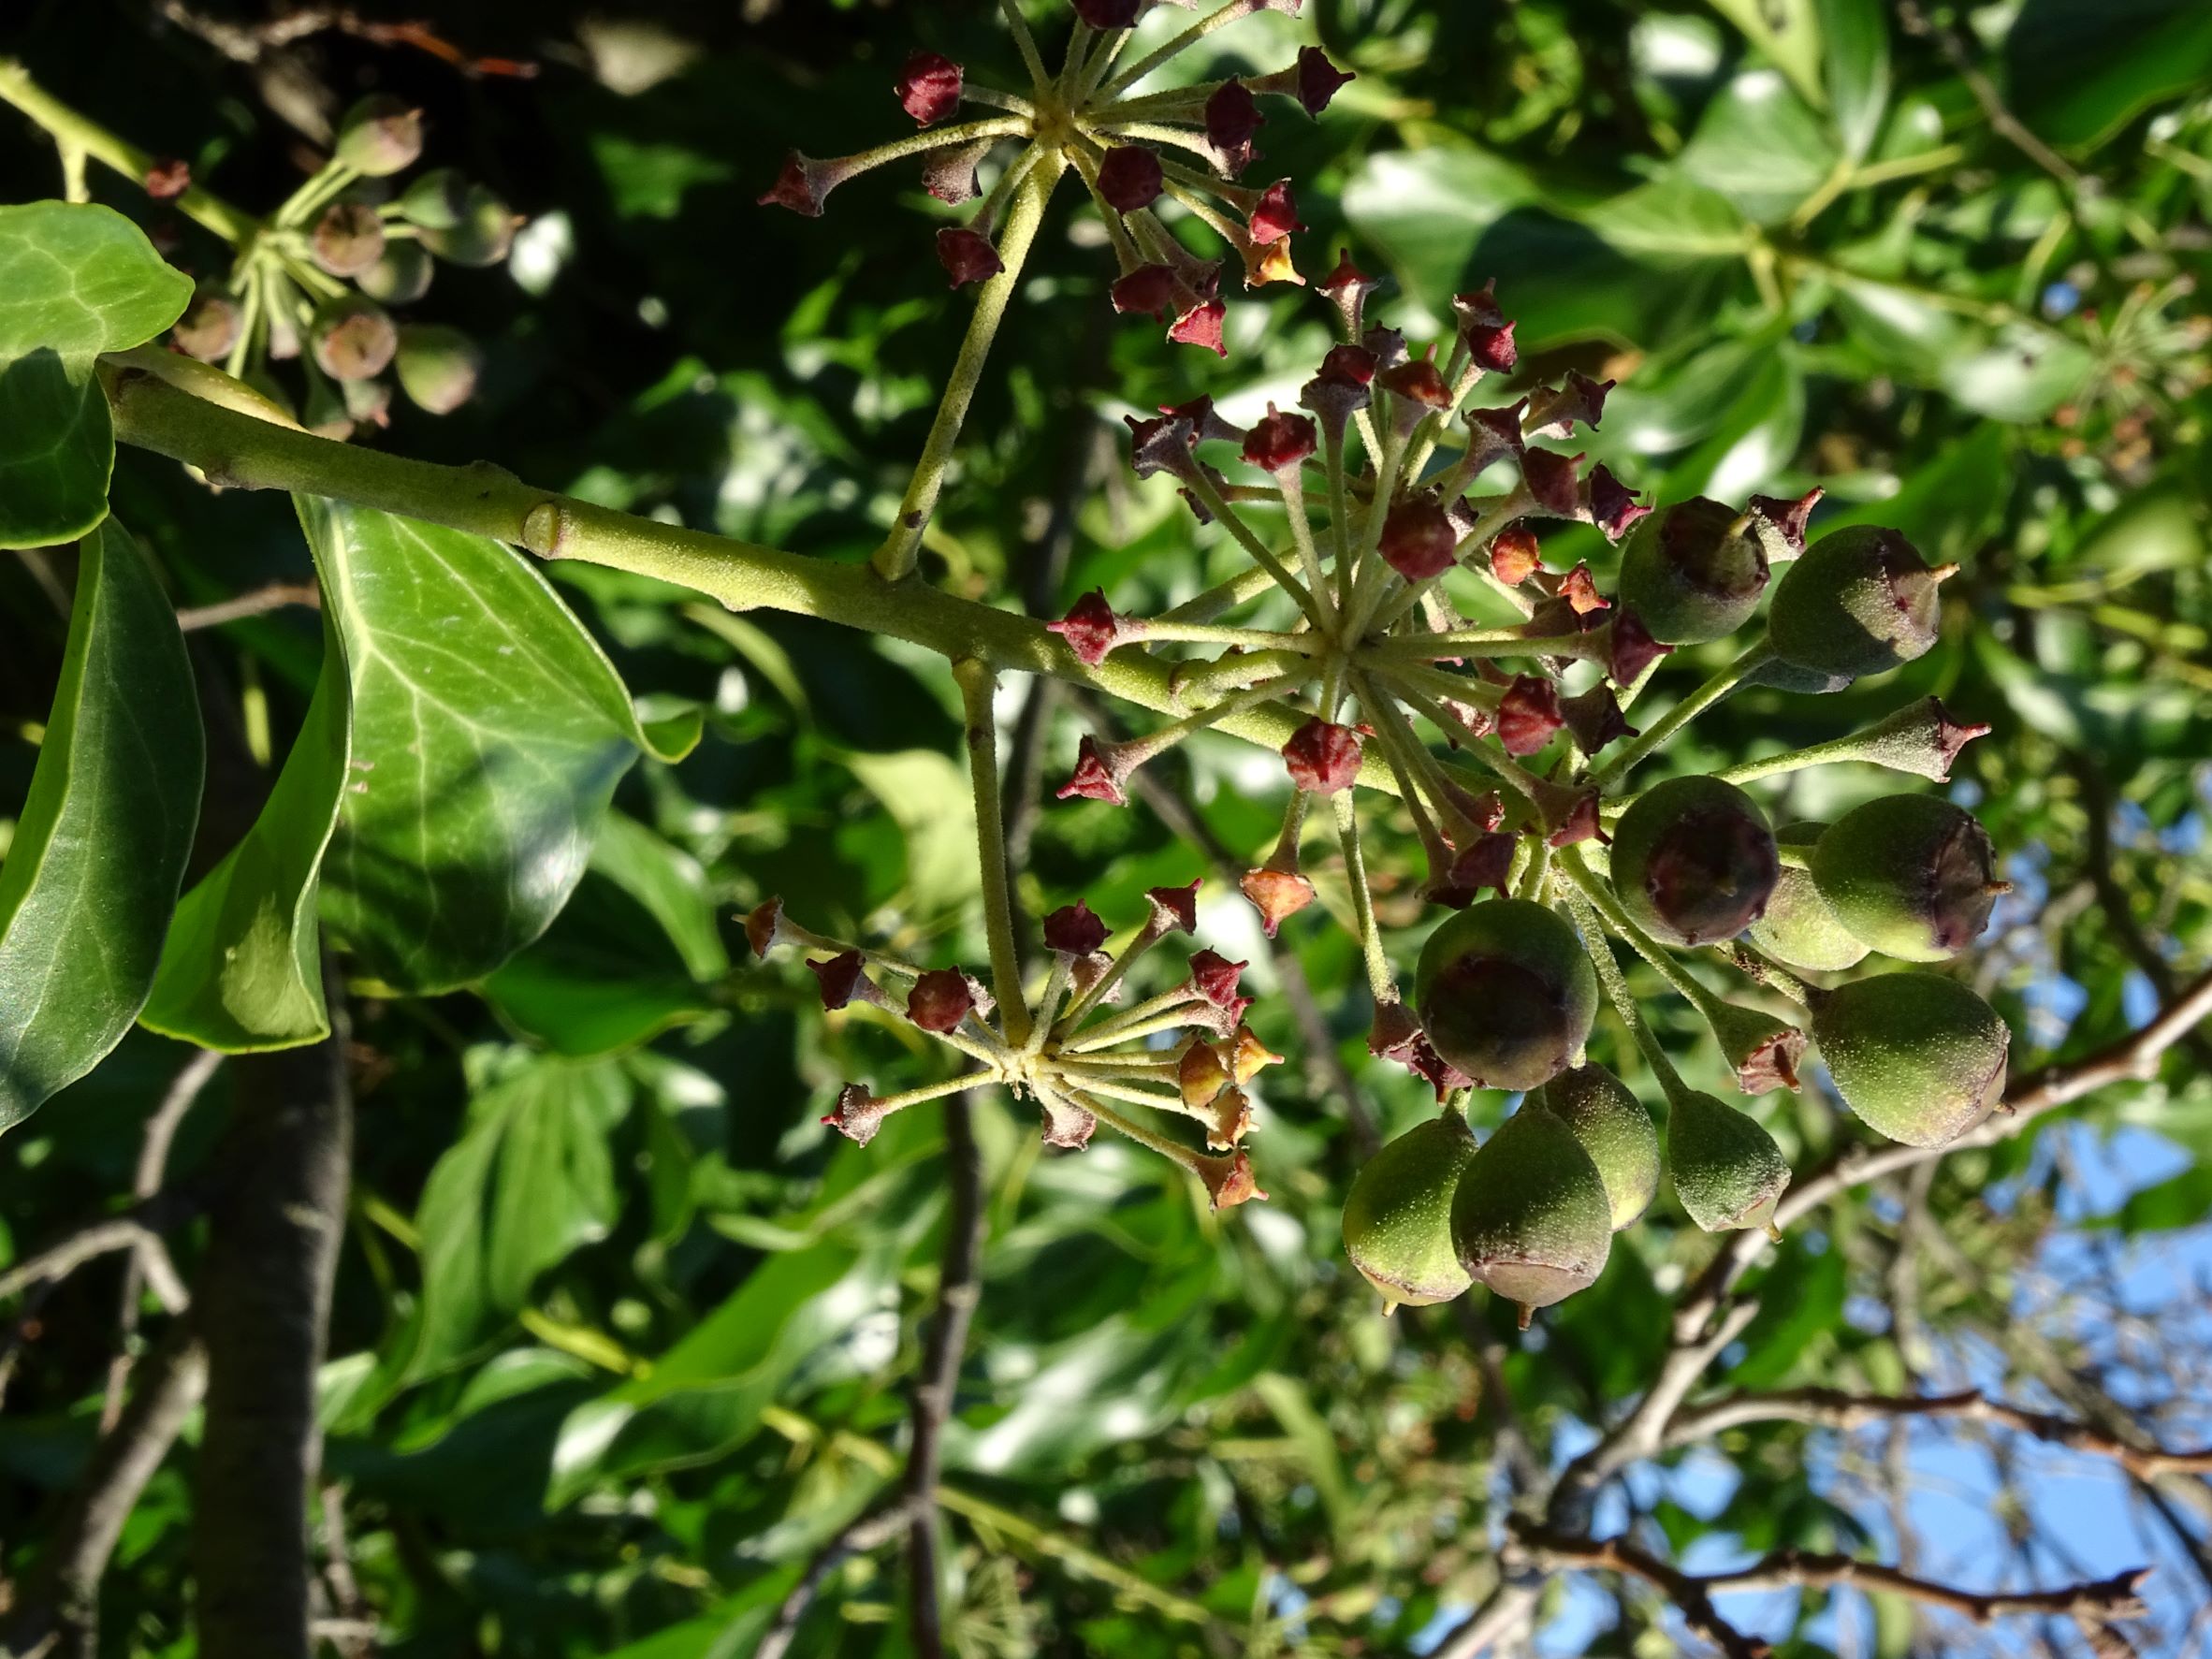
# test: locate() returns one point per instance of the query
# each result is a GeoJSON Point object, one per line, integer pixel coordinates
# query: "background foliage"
{"type": "Point", "coordinates": [621, 1332]}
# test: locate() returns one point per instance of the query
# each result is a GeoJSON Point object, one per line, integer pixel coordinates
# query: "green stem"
{"type": "Point", "coordinates": [68, 128]}
{"type": "Point", "coordinates": [1133, 1022]}
{"type": "Point", "coordinates": [1202, 487]}
{"type": "Point", "coordinates": [1168, 49]}
{"type": "Point", "coordinates": [242, 451]}
{"type": "Point", "coordinates": [978, 688]}
{"type": "Point", "coordinates": [1608, 908]}
{"type": "Point", "coordinates": [1381, 984]}
{"type": "Point", "coordinates": [1616, 989]}
{"type": "Point", "coordinates": [1682, 713]}
{"type": "Point", "coordinates": [902, 547]}
{"type": "Point", "coordinates": [1038, 79]}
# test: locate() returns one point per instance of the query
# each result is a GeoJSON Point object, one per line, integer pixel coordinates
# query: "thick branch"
{"type": "Point", "coordinates": [264, 1299]}
{"type": "Point", "coordinates": [241, 451]}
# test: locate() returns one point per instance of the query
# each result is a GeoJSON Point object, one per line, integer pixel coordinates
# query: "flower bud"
{"type": "Point", "coordinates": [1091, 629]}
{"type": "Point", "coordinates": [1631, 648]}
{"type": "Point", "coordinates": [1109, 14]}
{"type": "Point", "coordinates": [1693, 860]}
{"type": "Point", "coordinates": [353, 338]}
{"type": "Point", "coordinates": [967, 257]}
{"type": "Point", "coordinates": [1100, 770]}
{"type": "Point", "coordinates": [1174, 910]}
{"type": "Point", "coordinates": [1529, 715]}
{"type": "Point", "coordinates": [1323, 758]}
{"type": "Point", "coordinates": [940, 999]}
{"type": "Point", "coordinates": [1199, 1075]}
{"type": "Point", "coordinates": [1318, 79]}
{"type": "Point", "coordinates": [1201, 325]}
{"type": "Point", "coordinates": [1861, 601]}
{"type": "Point", "coordinates": [380, 136]}
{"type": "Point", "coordinates": [1232, 120]}
{"type": "Point", "coordinates": [1694, 572]}
{"type": "Point", "coordinates": [1531, 1218]}
{"type": "Point", "coordinates": [1912, 876]}
{"type": "Point", "coordinates": [1727, 1170]}
{"type": "Point", "coordinates": [842, 979]}
{"type": "Point", "coordinates": [1281, 443]}
{"type": "Point", "coordinates": [1919, 1057]}
{"type": "Point", "coordinates": [858, 1117]}
{"type": "Point", "coordinates": [1613, 1128]}
{"type": "Point", "coordinates": [1214, 977]}
{"type": "Point", "coordinates": [438, 367]}
{"type": "Point", "coordinates": [1276, 214]}
{"type": "Point", "coordinates": [1397, 1216]}
{"type": "Point", "coordinates": [928, 87]}
{"type": "Point", "coordinates": [1276, 895]}
{"type": "Point", "coordinates": [208, 327]}
{"type": "Point", "coordinates": [1594, 716]}
{"type": "Point", "coordinates": [400, 276]}
{"type": "Point", "coordinates": [1613, 506]}
{"type": "Point", "coordinates": [1348, 287]}
{"type": "Point", "coordinates": [1515, 555]}
{"type": "Point", "coordinates": [482, 236]}
{"type": "Point", "coordinates": [1507, 993]}
{"type": "Point", "coordinates": [347, 239]}
{"type": "Point", "coordinates": [1229, 1180]}
{"type": "Point", "coordinates": [1418, 540]}
{"type": "Point", "coordinates": [1129, 178]}
{"type": "Point", "coordinates": [1072, 930]}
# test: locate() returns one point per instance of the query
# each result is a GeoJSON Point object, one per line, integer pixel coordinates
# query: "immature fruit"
{"type": "Point", "coordinates": [353, 338]}
{"type": "Point", "coordinates": [1859, 602]}
{"type": "Point", "coordinates": [1693, 860]}
{"type": "Point", "coordinates": [1919, 1057]}
{"type": "Point", "coordinates": [1531, 1218]}
{"type": "Point", "coordinates": [348, 238]}
{"type": "Point", "coordinates": [1799, 929]}
{"type": "Point", "coordinates": [380, 136]}
{"type": "Point", "coordinates": [437, 366]}
{"type": "Point", "coordinates": [437, 200]}
{"type": "Point", "coordinates": [1912, 876]}
{"type": "Point", "coordinates": [1507, 993]}
{"type": "Point", "coordinates": [1727, 1170]}
{"type": "Point", "coordinates": [1397, 1217]}
{"type": "Point", "coordinates": [1692, 572]}
{"type": "Point", "coordinates": [400, 275]}
{"type": "Point", "coordinates": [482, 234]}
{"type": "Point", "coordinates": [208, 327]}
{"type": "Point", "coordinates": [1613, 1128]}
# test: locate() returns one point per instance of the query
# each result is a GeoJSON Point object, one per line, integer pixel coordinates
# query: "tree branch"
{"type": "Point", "coordinates": [258, 601]}
{"type": "Point", "coordinates": [1689, 1594]}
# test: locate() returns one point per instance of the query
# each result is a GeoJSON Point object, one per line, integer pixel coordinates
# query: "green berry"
{"type": "Point", "coordinates": [352, 337]}
{"type": "Point", "coordinates": [324, 412]}
{"type": "Point", "coordinates": [208, 327]}
{"type": "Point", "coordinates": [1919, 1057]}
{"type": "Point", "coordinates": [437, 200]}
{"type": "Point", "coordinates": [380, 136]}
{"type": "Point", "coordinates": [1912, 876]}
{"type": "Point", "coordinates": [1861, 601]}
{"type": "Point", "coordinates": [369, 401]}
{"type": "Point", "coordinates": [481, 236]}
{"type": "Point", "coordinates": [1507, 993]}
{"type": "Point", "coordinates": [1613, 1128]}
{"type": "Point", "coordinates": [437, 366]}
{"type": "Point", "coordinates": [400, 276]}
{"type": "Point", "coordinates": [1727, 1170]}
{"type": "Point", "coordinates": [347, 239]}
{"type": "Point", "coordinates": [1693, 860]}
{"type": "Point", "coordinates": [1397, 1217]}
{"type": "Point", "coordinates": [1692, 572]}
{"type": "Point", "coordinates": [1799, 929]}
{"type": "Point", "coordinates": [1531, 1219]}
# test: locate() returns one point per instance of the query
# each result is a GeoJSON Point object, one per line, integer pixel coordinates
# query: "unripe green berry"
{"type": "Point", "coordinates": [1727, 1170]}
{"type": "Point", "coordinates": [1693, 860]}
{"type": "Point", "coordinates": [1531, 1219]}
{"type": "Point", "coordinates": [1692, 572]}
{"type": "Point", "coordinates": [1861, 601]}
{"type": "Point", "coordinates": [400, 276]}
{"type": "Point", "coordinates": [369, 401]}
{"type": "Point", "coordinates": [481, 236]}
{"type": "Point", "coordinates": [380, 136]}
{"type": "Point", "coordinates": [1919, 1057]}
{"type": "Point", "coordinates": [1613, 1128]}
{"type": "Point", "coordinates": [1507, 993]}
{"type": "Point", "coordinates": [208, 327]}
{"type": "Point", "coordinates": [1799, 929]}
{"type": "Point", "coordinates": [1397, 1217]}
{"type": "Point", "coordinates": [352, 337]}
{"type": "Point", "coordinates": [1912, 876]}
{"type": "Point", "coordinates": [437, 366]}
{"type": "Point", "coordinates": [437, 200]}
{"type": "Point", "coordinates": [347, 239]}
{"type": "Point", "coordinates": [324, 412]}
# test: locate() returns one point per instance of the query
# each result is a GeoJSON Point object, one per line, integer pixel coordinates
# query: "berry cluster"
{"type": "Point", "coordinates": [1074, 1044]}
{"type": "Point", "coordinates": [313, 283]}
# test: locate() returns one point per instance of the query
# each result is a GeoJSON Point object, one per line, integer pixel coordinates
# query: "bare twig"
{"type": "Point", "coordinates": [135, 1228]}
{"type": "Point", "coordinates": [1691, 1595]}
{"type": "Point", "coordinates": [258, 601]}
{"type": "Point", "coordinates": [150, 1262]}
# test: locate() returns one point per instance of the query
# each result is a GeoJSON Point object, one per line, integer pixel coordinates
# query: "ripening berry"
{"type": "Point", "coordinates": [1861, 601]}
{"type": "Point", "coordinates": [1417, 539]}
{"type": "Point", "coordinates": [1919, 1057]}
{"type": "Point", "coordinates": [1694, 572]}
{"type": "Point", "coordinates": [1693, 860]}
{"type": "Point", "coordinates": [1531, 1218]}
{"type": "Point", "coordinates": [400, 276]}
{"type": "Point", "coordinates": [1397, 1216]}
{"type": "Point", "coordinates": [482, 235]}
{"type": "Point", "coordinates": [940, 999]}
{"type": "Point", "coordinates": [347, 239]}
{"type": "Point", "coordinates": [1507, 993]}
{"type": "Point", "coordinates": [1727, 1170]}
{"type": "Point", "coordinates": [208, 327]}
{"type": "Point", "coordinates": [1912, 876]}
{"type": "Point", "coordinates": [1129, 178]}
{"type": "Point", "coordinates": [352, 337]}
{"type": "Point", "coordinates": [928, 87]}
{"type": "Point", "coordinates": [1614, 1129]}
{"type": "Point", "coordinates": [380, 136]}
{"type": "Point", "coordinates": [438, 367]}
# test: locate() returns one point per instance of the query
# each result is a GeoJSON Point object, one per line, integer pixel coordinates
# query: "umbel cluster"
{"type": "Point", "coordinates": [313, 283]}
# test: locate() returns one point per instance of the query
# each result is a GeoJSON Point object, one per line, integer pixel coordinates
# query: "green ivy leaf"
{"type": "Point", "coordinates": [242, 969]}
{"type": "Point", "coordinates": [490, 731]}
{"type": "Point", "coordinates": [1788, 31]}
{"type": "Point", "coordinates": [530, 1181]}
{"type": "Point", "coordinates": [1761, 146]}
{"type": "Point", "coordinates": [91, 875]}
{"type": "Point", "coordinates": [1856, 59]}
{"type": "Point", "coordinates": [75, 280]}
